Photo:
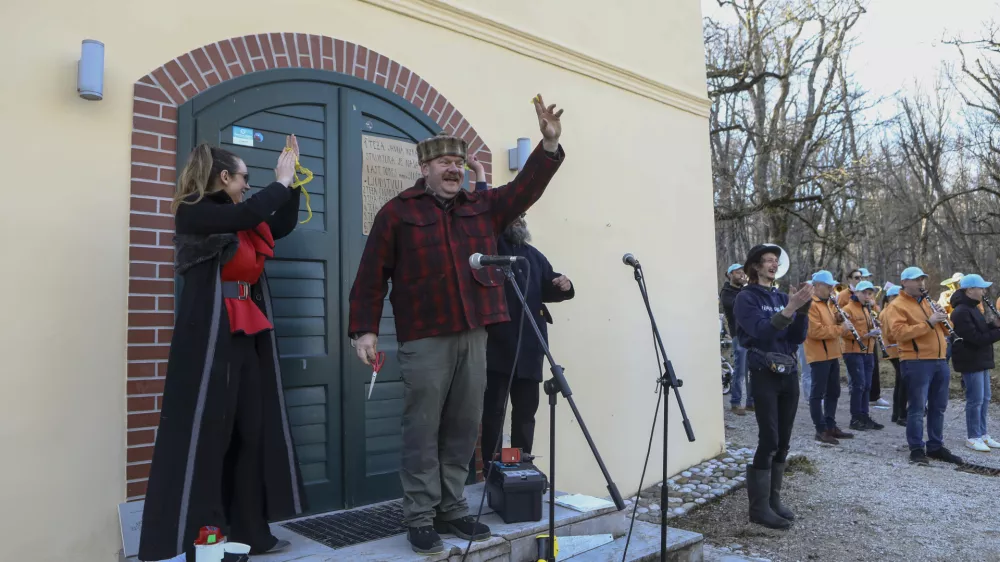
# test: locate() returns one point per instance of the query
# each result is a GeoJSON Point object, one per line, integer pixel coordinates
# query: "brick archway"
{"type": "Point", "coordinates": [154, 155]}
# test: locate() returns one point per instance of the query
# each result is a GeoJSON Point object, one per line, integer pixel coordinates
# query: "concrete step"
{"type": "Point", "coordinates": [717, 554]}
{"type": "Point", "coordinates": [511, 542]}
{"type": "Point", "coordinates": [682, 546]}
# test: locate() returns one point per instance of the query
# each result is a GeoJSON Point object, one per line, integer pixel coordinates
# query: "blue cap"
{"type": "Point", "coordinates": [864, 272]}
{"type": "Point", "coordinates": [734, 267]}
{"type": "Point", "coordinates": [911, 273]}
{"type": "Point", "coordinates": [893, 291]}
{"type": "Point", "coordinates": [864, 286]}
{"type": "Point", "coordinates": [825, 277]}
{"type": "Point", "coordinates": [973, 281]}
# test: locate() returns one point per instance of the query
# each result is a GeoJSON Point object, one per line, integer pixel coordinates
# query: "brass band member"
{"type": "Point", "coordinates": [892, 346]}
{"type": "Point", "coordinates": [972, 356]}
{"type": "Point", "coordinates": [823, 351]}
{"type": "Point", "coordinates": [919, 329]}
{"type": "Point", "coordinates": [861, 362]}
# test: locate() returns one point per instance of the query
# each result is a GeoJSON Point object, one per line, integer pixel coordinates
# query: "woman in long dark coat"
{"type": "Point", "coordinates": [224, 455]}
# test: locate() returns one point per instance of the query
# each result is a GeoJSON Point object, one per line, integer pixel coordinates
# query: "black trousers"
{"type": "Point", "coordinates": [876, 390]}
{"type": "Point", "coordinates": [524, 395]}
{"type": "Point", "coordinates": [899, 394]}
{"type": "Point", "coordinates": [776, 397]}
{"type": "Point", "coordinates": [242, 486]}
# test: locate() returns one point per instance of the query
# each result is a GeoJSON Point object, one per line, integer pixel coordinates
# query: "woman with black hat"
{"type": "Point", "coordinates": [771, 325]}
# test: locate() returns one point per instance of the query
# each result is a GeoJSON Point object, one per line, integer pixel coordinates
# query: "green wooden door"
{"type": "Point", "coordinates": [348, 447]}
{"type": "Point", "coordinates": [372, 476]}
{"type": "Point", "coordinates": [304, 275]}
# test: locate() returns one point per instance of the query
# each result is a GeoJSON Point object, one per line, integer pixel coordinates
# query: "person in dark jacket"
{"type": "Point", "coordinates": [771, 325]}
{"type": "Point", "coordinates": [224, 456]}
{"type": "Point", "coordinates": [543, 286]}
{"type": "Point", "coordinates": [736, 279]}
{"type": "Point", "coordinates": [972, 355]}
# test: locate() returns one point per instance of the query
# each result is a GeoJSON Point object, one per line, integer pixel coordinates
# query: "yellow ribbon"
{"type": "Point", "coordinates": [300, 169]}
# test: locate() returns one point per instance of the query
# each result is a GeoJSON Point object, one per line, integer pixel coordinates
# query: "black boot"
{"type": "Point", "coordinates": [759, 492]}
{"type": "Point", "coordinates": [777, 474]}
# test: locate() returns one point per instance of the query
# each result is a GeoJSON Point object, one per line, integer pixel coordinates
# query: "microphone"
{"type": "Point", "coordinates": [629, 259]}
{"type": "Point", "coordinates": [479, 261]}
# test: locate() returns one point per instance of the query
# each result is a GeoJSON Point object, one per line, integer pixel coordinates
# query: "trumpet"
{"type": "Point", "coordinates": [934, 306]}
{"type": "Point", "coordinates": [875, 322]}
{"type": "Point", "coordinates": [854, 331]}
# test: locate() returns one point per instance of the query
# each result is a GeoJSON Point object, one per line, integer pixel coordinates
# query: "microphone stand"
{"type": "Point", "coordinates": [554, 386]}
{"type": "Point", "coordinates": [667, 381]}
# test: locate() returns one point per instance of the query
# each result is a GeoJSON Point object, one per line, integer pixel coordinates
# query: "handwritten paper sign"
{"type": "Point", "coordinates": [130, 519]}
{"type": "Point", "coordinates": [388, 167]}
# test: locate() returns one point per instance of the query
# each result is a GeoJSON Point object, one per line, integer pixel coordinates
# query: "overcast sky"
{"type": "Point", "coordinates": [900, 40]}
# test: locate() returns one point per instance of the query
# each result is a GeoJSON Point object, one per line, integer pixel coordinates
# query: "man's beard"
{"type": "Point", "coordinates": [517, 234]}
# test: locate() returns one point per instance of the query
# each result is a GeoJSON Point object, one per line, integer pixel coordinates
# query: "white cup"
{"type": "Point", "coordinates": [236, 548]}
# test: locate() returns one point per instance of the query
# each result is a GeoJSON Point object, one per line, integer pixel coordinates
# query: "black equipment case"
{"type": "Point", "coordinates": [514, 491]}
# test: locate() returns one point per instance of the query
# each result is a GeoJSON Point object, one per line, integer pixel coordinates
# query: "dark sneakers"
{"type": "Point", "coordinates": [463, 527]}
{"type": "Point", "coordinates": [945, 455]}
{"type": "Point", "coordinates": [859, 424]}
{"type": "Point", "coordinates": [872, 424]}
{"type": "Point", "coordinates": [917, 456]}
{"type": "Point", "coordinates": [424, 540]}
{"type": "Point", "coordinates": [837, 433]}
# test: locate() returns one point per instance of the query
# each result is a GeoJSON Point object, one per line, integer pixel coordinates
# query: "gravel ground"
{"type": "Point", "coordinates": [865, 501]}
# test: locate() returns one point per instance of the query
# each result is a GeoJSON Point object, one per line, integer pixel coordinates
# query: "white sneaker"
{"type": "Point", "coordinates": [977, 445]}
{"type": "Point", "coordinates": [990, 442]}
{"type": "Point", "coordinates": [882, 402]}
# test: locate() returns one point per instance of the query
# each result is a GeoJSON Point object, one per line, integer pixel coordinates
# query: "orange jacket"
{"type": "Point", "coordinates": [844, 298]}
{"type": "Point", "coordinates": [917, 339]}
{"type": "Point", "coordinates": [887, 336]}
{"type": "Point", "coordinates": [823, 338]}
{"type": "Point", "coordinates": [863, 324]}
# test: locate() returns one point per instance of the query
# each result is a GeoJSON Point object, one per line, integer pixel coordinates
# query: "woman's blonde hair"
{"type": "Point", "coordinates": [202, 168]}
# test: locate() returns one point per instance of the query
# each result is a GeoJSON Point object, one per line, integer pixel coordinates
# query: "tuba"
{"type": "Point", "coordinates": [783, 262]}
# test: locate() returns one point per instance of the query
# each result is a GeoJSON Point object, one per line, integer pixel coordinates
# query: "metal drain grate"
{"type": "Point", "coordinates": [978, 469]}
{"type": "Point", "coordinates": [352, 527]}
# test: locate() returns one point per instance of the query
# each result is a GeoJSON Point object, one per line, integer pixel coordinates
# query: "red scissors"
{"type": "Point", "coordinates": [377, 364]}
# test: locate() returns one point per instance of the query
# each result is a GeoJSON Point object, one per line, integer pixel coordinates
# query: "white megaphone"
{"type": "Point", "coordinates": [783, 262]}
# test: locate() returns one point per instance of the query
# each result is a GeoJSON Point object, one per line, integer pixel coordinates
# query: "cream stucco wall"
{"type": "Point", "coordinates": [636, 180]}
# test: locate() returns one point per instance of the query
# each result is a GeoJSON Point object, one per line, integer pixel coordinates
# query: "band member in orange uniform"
{"type": "Point", "coordinates": [861, 363]}
{"type": "Point", "coordinates": [824, 349]}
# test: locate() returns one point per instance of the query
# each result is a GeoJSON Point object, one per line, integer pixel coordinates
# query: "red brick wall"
{"type": "Point", "coordinates": [154, 156]}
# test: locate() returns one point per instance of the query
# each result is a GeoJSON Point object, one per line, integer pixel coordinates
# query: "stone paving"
{"type": "Point", "coordinates": [695, 486]}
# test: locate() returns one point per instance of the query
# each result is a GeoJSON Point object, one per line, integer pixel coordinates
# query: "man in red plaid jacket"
{"type": "Point", "coordinates": [422, 240]}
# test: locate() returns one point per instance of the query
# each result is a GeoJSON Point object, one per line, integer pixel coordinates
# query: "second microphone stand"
{"type": "Point", "coordinates": [667, 381]}
{"type": "Point", "coordinates": [554, 386]}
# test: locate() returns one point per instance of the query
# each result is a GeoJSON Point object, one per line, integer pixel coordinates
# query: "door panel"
{"type": "Point", "coordinates": [374, 474]}
{"type": "Point", "coordinates": [304, 275]}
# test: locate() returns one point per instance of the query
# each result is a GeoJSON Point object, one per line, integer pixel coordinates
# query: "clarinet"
{"type": "Point", "coordinates": [993, 308]}
{"type": "Point", "coordinates": [854, 331]}
{"type": "Point", "coordinates": [875, 322]}
{"type": "Point", "coordinates": [934, 306]}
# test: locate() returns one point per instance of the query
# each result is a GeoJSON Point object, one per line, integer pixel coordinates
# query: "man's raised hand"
{"type": "Point", "coordinates": [548, 123]}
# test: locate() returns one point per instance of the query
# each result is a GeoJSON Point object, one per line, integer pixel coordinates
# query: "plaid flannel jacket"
{"type": "Point", "coordinates": [424, 249]}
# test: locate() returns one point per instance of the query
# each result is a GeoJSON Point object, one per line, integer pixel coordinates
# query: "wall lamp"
{"type": "Point", "coordinates": [90, 70]}
{"type": "Point", "coordinates": [516, 157]}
